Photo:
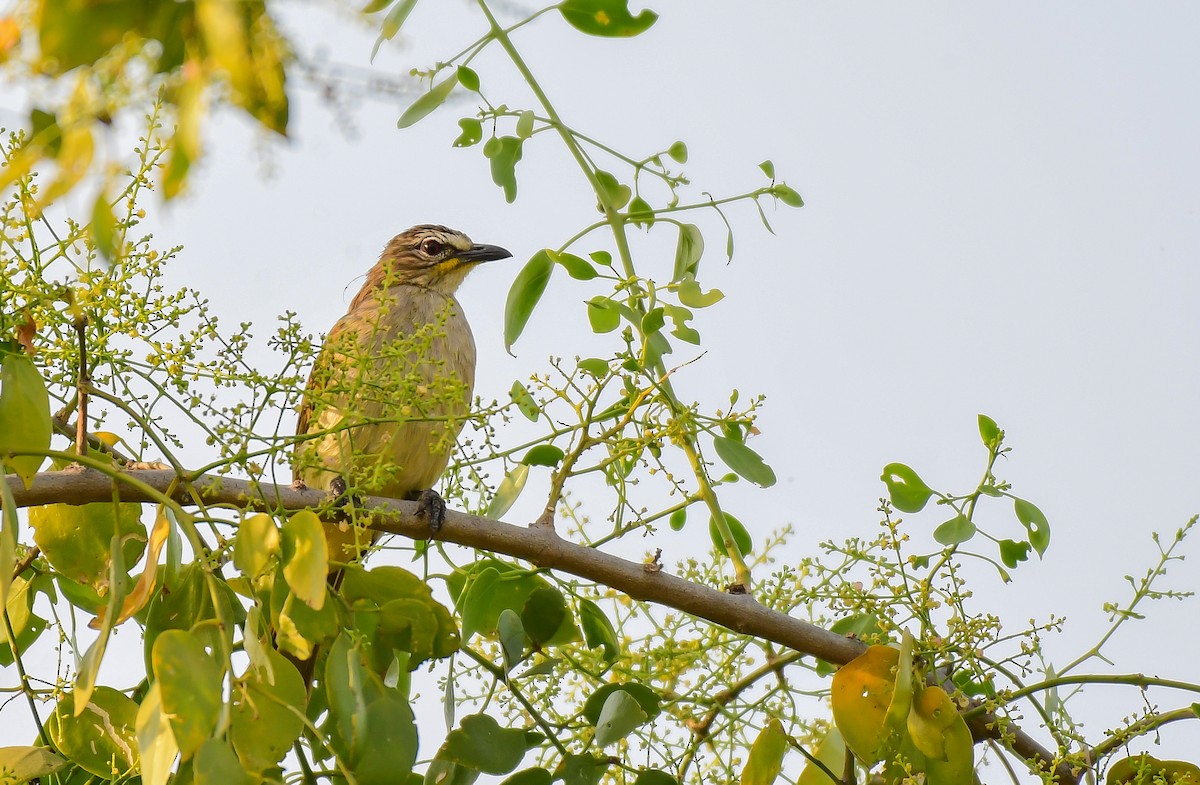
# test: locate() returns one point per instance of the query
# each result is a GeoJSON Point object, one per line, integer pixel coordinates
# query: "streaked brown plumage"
{"type": "Point", "coordinates": [394, 379]}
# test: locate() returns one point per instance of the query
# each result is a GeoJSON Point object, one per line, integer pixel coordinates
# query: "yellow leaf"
{"type": "Point", "coordinates": [861, 693]}
{"type": "Point", "coordinates": [305, 558]}
{"type": "Point", "coordinates": [257, 542]}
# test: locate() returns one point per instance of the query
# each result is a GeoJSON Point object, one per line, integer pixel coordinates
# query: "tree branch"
{"type": "Point", "coordinates": [539, 545]}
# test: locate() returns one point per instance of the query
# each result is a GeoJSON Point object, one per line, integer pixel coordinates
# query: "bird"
{"type": "Point", "coordinates": [392, 384]}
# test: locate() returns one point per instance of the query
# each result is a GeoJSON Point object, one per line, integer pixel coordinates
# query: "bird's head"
{"type": "Point", "coordinates": [431, 256]}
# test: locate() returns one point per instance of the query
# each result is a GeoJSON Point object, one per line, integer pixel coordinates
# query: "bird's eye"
{"type": "Point", "coordinates": [431, 247]}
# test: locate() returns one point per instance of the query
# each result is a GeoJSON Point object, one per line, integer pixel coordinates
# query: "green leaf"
{"type": "Point", "coordinates": [392, 750]}
{"type": "Point", "coordinates": [787, 195]}
{"type": "Point", "coordinates": [524, 128]}
{"type": "Point", "coordinates": [484, 590]}
{"type": "Point", "coordinates": [393, 21]}
{"type": "Point", "coordinates": [768, 169]}
{"type": "Point", "coordinates": [26, 625]}
{"type": "Point", "coordinates": [907, 491]}
{"type": "Point", "coordinates": [582, 769]}
{"type": "Point", "coordinates": [504, 152]}
{"type": "Point", "coordinates": [103, 227]}
{"type": "Point", "coordinates": [472, 132]}
{"type": "Point", "coordinates": [348, 687]}
{"type": "Point", "coordinates": [688, 250]}
{"type": "Point", "coordinates": [1144, 769]}
{"type": "Point", "coordinates": [641, 213]}
{"type": "Point", "coordinates": [190, 685]}
{"type": "Point", "coordinates": [428, 102]}
{"type": "Point", "coordinates": [24, 416]}
{"type": "Point", "coordinates": [512, 637]}
{"type": "Point", "coordinates": [468, 78]}
{"type": "Point", "coordinates": [654, 777]}
{"type": "Point", "coordinates": [595, 366]}
{"type": "Point", "coordinates": [745, 461]}
{"type": "Point", "coordinates": [612, 192]}
{"type": "Point", "coordinates": [989, 432]}
{"type": "Point", "coordinates": [603, 314]}
{"type": "Point", "coordinates": [543, 455]}
{"type": "Point", "coordinates": [478, 603]}
{"type": "Point", "coordinates": [602, 258]}
{"type": "Point", "coordinates": [647, 699]}
{"type": "Point", "coordinates": [481, 744]}
{"type": "Point", "coordinates": [530, 777]}
{"type": "Point", "coordinates": [620, 714]}
{"type": "Point", "coordinates": [741, 537]}
{"type": "Point", "coordinates": [957, 530]}
{"type": "Point", "coordinates": [524, 401]}
{"type": "Point", "coordinates": [543, 614]}
{"type": "Point", "coordinates": [598, 630]}
{"type": "Point", "coordinates": [766, 755]}
{"type": "Point", "coordinates": [576, 267]}
{"type": "Point", "coordinates": [692, 296]}
{"type": "Point", "coordinates": [25, 764]}
{"type": "Point", "coordinates": [9, 535]}
{"type": "Point", "coordinates": [268, 712]}
{"type": "Point", "coordinates": [1013, 553]}
{"type": "Point", "coordinates": [653, 321]}
{"type": "Point", "coordinates": [256, 544]}
{"type": "Point", "coordinates": [77, 540]}
{"type": "Point", "coordinates": [1035, 522]}
{"type": "Point", "coordinates": [216, 764]}
{"type": "Point", "coordinates": [678, 152]}
{"type": "Point", "coordinates": [524, 295]}
{"type": "Point", "coordinates": [510, 488]}
{"type": "Point", "coordinates": [606, 18]}
{"type": "Point", "coordinates": [305, 557]}
{"type": "Point", "coordinates": [102, 738]}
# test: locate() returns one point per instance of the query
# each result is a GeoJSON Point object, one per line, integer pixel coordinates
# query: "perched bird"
{"type": "Point", "coordinates": [393, 383]}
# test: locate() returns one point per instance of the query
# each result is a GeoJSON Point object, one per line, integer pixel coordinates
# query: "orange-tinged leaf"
{"type": "Point", "coordinates": [10, 36]}
{"type": "Point", "coordinates": [861, 693]}
{"type": "Point", "coordinates": [137, 599]}
{"type": "Point", "coordinates": [26, 330]}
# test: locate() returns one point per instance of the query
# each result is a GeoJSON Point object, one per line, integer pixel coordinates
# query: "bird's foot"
{"type": "Point", "coordinates": [338, 491]}
{"type": "Point", "coordinates": [432, 507]}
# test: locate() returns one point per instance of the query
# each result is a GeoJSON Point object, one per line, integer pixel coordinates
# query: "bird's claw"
{"type": "Point", "coordinates": [339, 492]}
{"type": "Point", "coordinates": [432, 507]}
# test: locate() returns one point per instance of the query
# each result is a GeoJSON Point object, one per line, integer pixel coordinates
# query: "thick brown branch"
{"type": "Point", "coordinates": [539, 545]}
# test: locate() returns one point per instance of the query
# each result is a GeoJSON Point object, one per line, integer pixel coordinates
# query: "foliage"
{"type": "Point", "coordinates": [543, 676]}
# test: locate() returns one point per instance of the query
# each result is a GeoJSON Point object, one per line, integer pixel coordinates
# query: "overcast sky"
{"type": "Point", "coordinates": [1001, 218]}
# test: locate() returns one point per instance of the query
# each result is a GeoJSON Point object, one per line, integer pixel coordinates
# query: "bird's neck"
{"type": "Point", "coordinates": [380, 279]}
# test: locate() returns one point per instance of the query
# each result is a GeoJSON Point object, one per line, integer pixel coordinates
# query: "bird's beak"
{"type": "Point", "coordinates": [483, 253]}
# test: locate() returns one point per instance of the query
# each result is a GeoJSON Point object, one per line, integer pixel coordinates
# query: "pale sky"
{"type": "Point", "coordinates": [1001, 218]}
